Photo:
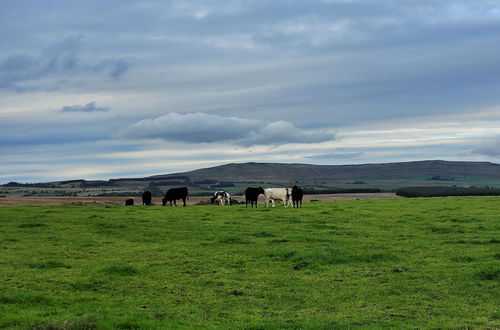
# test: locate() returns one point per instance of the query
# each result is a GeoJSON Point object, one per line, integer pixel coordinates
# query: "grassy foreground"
{"type": "Point", "coordinates": [402, 263]}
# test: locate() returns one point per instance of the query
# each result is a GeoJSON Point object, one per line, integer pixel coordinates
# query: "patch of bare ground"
{"type": "Point", "coordinates": [13, 201]}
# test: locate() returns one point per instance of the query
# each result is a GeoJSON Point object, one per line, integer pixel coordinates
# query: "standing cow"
{"type": "Point", "coordinates": [146, 198]}
{"type": "Point", "coordinates": [252, 195]}
{"type": "Point", "coordinates": [282, 194]}
{"type": "Point", "coordinates": [297, 194]}
{"type": "Point", "coordinates": [174, 194]}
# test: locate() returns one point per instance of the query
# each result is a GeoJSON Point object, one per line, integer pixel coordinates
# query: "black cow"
{"type": "Point", "coordinates": [173, 194]}
{"type": "Point", "coordinates": [129, 201]}
{"type": "Point", "coordinates": [297, 194]}
{"type": "Point", "coordinates": [146, 198]}
{"type": "Point", "coordinates": [252, 195]}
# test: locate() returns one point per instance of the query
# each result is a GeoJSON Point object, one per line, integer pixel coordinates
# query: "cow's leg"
{"type": "Point", "coordinates": [184, 202]}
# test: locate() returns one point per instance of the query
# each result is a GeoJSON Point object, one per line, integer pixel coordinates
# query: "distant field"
{"type": "Point", "coordinates": [377, 263]}
{"type": "Point", "coordinates": [13, 201]}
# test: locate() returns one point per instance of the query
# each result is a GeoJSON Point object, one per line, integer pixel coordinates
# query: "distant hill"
{"type": "Point", "coordinates": [341, 174]}
{"type": "Point", "coordinates": [235, 177]}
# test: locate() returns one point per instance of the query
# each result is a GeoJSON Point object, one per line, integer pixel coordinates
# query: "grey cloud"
{"type": "Point", "coordinates": [282, 132]}
{"type": "Point", "coordinates": [59, 60]}
{"type": "Point", "coordinates": [206, 128]}
{"type": "Point", "coordinates": [192, 127]}
{"type": "Point", "coordinates": [89, 107]}
{"type": "Point", "coordinates": [119, 68]}
{"type": "Point", "coordinates": [488, 148]}
{"type": "Point", "coordinates": [317, 63]}
{"type": "Point", "coordinates": [337, 155]}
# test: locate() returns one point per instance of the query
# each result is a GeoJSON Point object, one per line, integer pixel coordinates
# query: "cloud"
{"type": "Point", "coordinates": [282, 132]}
{"type": "Point", "coordinates": [336, 155]}
{"type": "Point", "coordinates": [488, 148]}
{"type": "Point", "coordinates": [199, 127]}
{"type": "Point", "coordinates": [254, 75]}
{"type": "Point", "coordinates": [59, 61]}
{"type": "Point", "coordinates": [119, 68]}
{"type": "Point", "coordinates": [89, 107]}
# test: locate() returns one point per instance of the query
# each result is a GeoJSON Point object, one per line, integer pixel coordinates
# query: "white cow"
{"type": "Point", "coordinates": [282, 194]}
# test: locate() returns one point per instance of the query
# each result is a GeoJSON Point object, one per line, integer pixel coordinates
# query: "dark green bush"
{"type": "Point", "coordinates": [441, 191]}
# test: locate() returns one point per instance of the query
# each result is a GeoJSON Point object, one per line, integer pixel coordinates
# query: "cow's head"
{"type": "Point", "coordinates": [163, 201]}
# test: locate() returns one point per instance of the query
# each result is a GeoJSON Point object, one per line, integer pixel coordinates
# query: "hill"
{"type": "Point", "coordinates": [284, 173]}
{"type": "Point", "coordinates": [235, 177]}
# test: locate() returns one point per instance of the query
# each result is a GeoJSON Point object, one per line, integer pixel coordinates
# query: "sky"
{"type": "Point", "coordinates": [117, 88]}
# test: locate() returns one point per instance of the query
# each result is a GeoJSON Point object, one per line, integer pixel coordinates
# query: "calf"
{"type": "Point", "coordinates": [220, 200]}
{"type": "Point", "coordinates": [221, 197]}
{"type": "Point", "coordinates": [174, 194]}
{"type": "Point", "coordinates": [252, 195]}
{"type": "Point", "coordinates": [129, 201]}
{"type": "Point", "coordinates": [297, 194]}
{"type": "Point", "coordinates": [282, 194]}
{"type": "Point", "coordinates": [146, 198]}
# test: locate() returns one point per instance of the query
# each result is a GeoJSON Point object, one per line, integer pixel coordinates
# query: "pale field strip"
{"type": "Point", "coordinates": [13, 201]}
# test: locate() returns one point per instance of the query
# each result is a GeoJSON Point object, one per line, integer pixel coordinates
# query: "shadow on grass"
{"type": "Point", "coordinates": [32, 225]}
{"type": "Point", "coordinates": [49, 265]}
{"type": "Point", "coordinates": [489, 274]}
{"type": "Point", "coordinates": [121, 270]}
{"type": "Point", "coordinates": [325, 257]}
{"type": "Point", "coordinates": [10, 299]}
{"type": "Point", "coordinates": [85, 324]}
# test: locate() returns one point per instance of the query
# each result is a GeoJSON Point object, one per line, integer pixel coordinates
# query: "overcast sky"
{"type": "Point", "coordinates": [105, 89]}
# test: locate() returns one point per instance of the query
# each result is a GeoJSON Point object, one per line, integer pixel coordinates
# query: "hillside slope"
{"type": "Point", "coordinates": [236, 177]}
{"type": "Point", "coordinates": [277, 172]}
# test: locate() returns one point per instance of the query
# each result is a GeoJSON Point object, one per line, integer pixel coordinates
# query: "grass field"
{"type": "Point", "coordinates": [400, 263]}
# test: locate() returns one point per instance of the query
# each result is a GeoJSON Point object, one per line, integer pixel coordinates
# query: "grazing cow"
{"type": "Point", "coordinates": [129, 201]}
{"type": "Point", "coordinates": [173, 194]}
{"type": "Point", "coordinates": [146, 198]}
{"type": "Point", "coordinates": [297, 194]}
{"type": "Point", "coordinates": [225, 198]}
{"type": "Point", "coordinates": [220, 200]}
{"type": "Point", "coordinates": [252, 195]}
{"type": "Point", "coordinates": [282, 194]}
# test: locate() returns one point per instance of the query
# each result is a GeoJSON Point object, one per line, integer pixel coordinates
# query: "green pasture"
{"type": "Point", "coordinates": [401, 263]}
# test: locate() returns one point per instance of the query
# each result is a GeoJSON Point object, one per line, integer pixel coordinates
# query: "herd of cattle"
{"type": "Point", "coordinates": [290, 196]}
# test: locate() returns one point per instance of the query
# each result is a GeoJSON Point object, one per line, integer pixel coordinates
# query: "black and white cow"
{"type": "Point", "coordinates": [297, 194]}
{"type": "Point", "coordinates": [174, 194]}
{"type": "Point", "coordinates": [252, 195]}
{"type": "Point", "coordinates": [221, 197]}
{"type": "Point", "coordinates": [146, 198]}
